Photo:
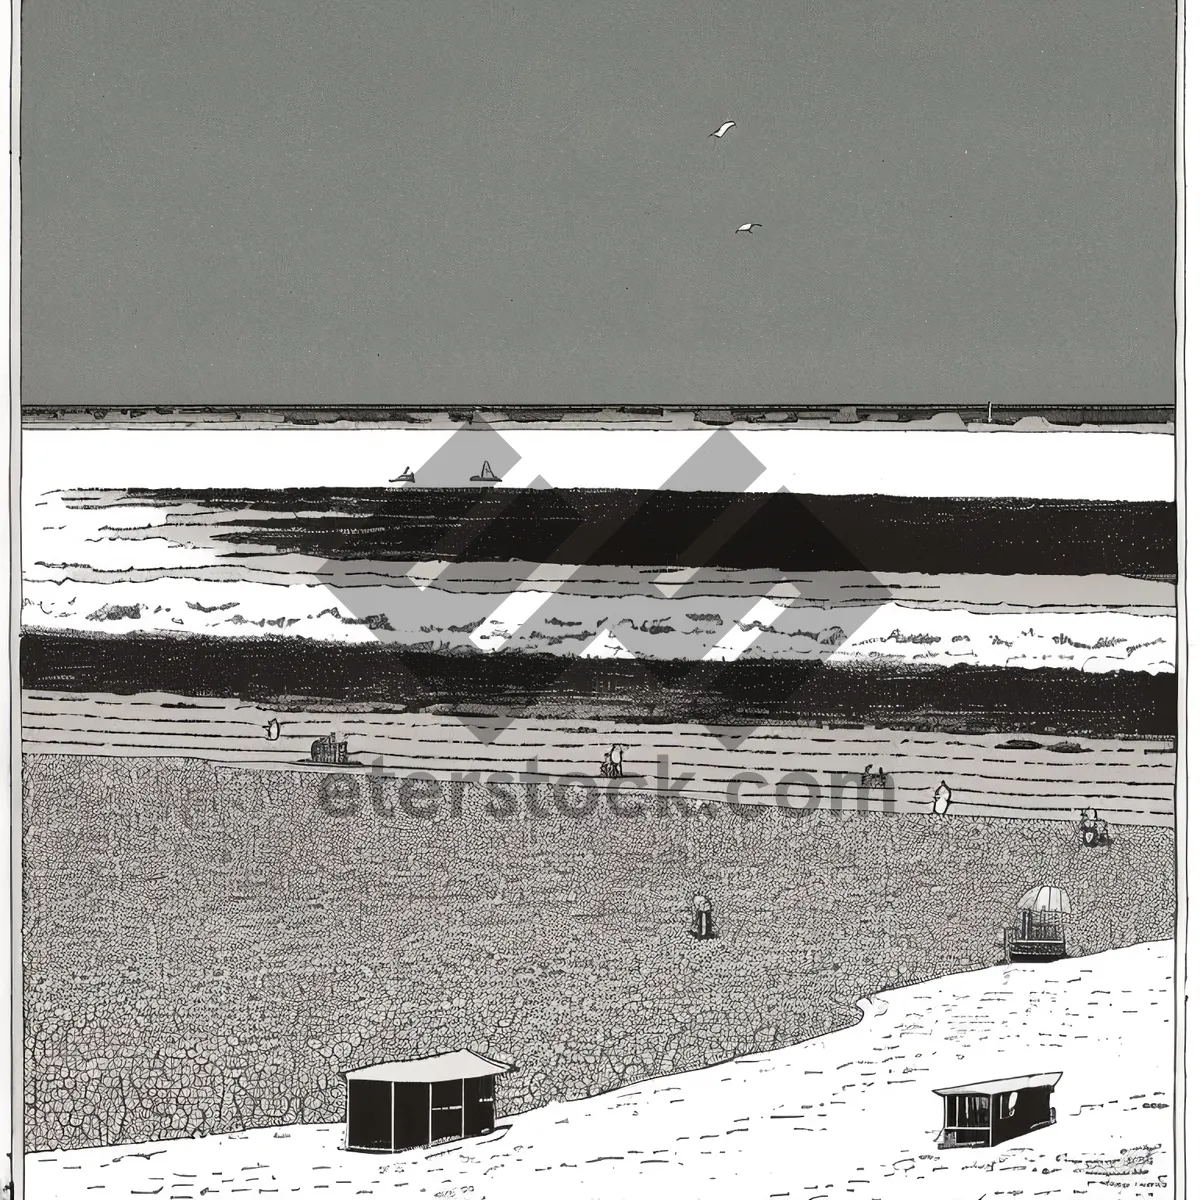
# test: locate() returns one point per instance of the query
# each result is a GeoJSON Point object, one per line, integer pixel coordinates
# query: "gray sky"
{"type": "Point", "coordinates": [489, 201]}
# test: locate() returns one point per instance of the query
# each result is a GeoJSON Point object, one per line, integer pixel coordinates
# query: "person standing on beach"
{"type": "Point", "coordinates": [941, 798]}
{"type": "Point", "coordinates": [702, 927]}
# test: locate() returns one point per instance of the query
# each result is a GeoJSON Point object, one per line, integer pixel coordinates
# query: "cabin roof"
{"type": "Point", "coordinates": [993, 1087]}
{"type": "Point", "coordinates": [458, 1064]}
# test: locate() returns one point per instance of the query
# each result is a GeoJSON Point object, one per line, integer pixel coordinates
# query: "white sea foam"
{"type": "Point", "coordinates": [690, 627]}
{"type": "Point", "coordinates": [129, 567]}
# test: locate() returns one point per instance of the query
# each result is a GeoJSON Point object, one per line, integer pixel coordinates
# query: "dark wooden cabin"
{"type": "Point", "coordinates": [988, 1113]}
{"type": "Point", "coordinates": [401, 1105]}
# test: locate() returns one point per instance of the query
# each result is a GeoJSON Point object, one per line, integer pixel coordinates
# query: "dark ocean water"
{"type": "Point", "coordinates": [652, 528]}
{"type": "Point", "coordinates": [988, 613]}
{"type": "Point", "coordinates": [299, 672]}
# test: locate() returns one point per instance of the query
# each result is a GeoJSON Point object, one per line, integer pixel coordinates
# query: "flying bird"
{"type": "Point", "coordinates": [720, 133]}
{"type": "Point", "coordinates": [749, 227]}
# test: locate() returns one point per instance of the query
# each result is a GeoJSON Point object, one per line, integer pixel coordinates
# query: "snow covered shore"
{"type": "Point", "coordinates": [851, 1114]}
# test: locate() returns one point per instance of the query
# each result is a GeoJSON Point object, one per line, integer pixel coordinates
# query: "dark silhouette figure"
{"type": "Point", "coordinates": [702, 919]}
{"type": "Point", "coordinates": [872, 779]}
{"type": "Point", "coordinates": [330, 749]}
{"type": "Point", "coordinates": [1092, 829]}
{"type": "Point", "coordinates": [613, 764]}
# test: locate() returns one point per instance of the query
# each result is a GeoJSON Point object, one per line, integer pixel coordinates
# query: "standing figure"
{"type": "Point", "coordinates": [272, 730]}
{"type": "Point", "coordinates": [1089, 826]}
{"type": "Point", "coordinates": [941, 798]}
{"type": "Point", "coordinates": [617, 758]}
{"type": "Point", "coordinates": [702, 919]}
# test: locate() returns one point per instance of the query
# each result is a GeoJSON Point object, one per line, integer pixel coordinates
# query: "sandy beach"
{"type": "Point", "coordinates": [848, 1114]}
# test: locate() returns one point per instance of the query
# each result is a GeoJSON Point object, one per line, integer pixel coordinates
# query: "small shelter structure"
{"type": "Point", "coordinates": [988, 1113]}
{"type": "Point", "coordinates": [1040, 934]}
{"type": "Point", "coordinates": [401, 1105]}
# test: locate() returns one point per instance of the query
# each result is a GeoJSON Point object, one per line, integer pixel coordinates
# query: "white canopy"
{"type": "Point", "coordinates": [458, 1064]}
{"type": "Point", "coordinates": [1046, 899]}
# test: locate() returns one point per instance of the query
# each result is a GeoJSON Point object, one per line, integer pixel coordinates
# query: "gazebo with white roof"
{"type": "Point", "coordinates": [1040, 934]}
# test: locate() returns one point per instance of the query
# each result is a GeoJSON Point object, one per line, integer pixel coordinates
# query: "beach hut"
{"type": "Point", "coordinates": [988, 1113]}
{"type": "Point", "coordinates": [1040, 934]}
{"type": "Point", "coordinates": [400, 1105]}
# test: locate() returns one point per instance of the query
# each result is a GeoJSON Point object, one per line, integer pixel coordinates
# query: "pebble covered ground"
{"type": "Point", "coordinates": [206, 950]}
{"type": "Point", "coordinates": [849, 1114]}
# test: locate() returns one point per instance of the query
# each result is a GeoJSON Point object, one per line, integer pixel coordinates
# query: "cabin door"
{"type": "Point", "coordinates": [370, 1118]}
{"type": "Point", "coordinates": [479, 1105]}
{"type": "Point", "coordinates": [410, 1117]}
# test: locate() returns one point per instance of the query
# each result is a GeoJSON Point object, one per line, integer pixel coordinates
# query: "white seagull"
{"type": "Point", "coordinates": [749, 227]}
{"type": "Point", "coordinates": [720, 133]}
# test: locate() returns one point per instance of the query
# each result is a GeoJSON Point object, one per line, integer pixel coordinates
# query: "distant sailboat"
{"type": "Point", "coordinates": [405, 476]}
{"type": "Point", "coordinates": [487, 475]}
{"type": "Point", "coordinates": [272, 730]}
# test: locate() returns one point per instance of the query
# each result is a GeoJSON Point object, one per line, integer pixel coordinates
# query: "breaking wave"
{"type": "Point", "coordinates": [544, 620]}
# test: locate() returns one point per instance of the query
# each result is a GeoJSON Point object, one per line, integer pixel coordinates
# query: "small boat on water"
{"type": "Point", "coordinates": [405, 476]}
{"type": "Point", "coordinates": [486, 475]}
